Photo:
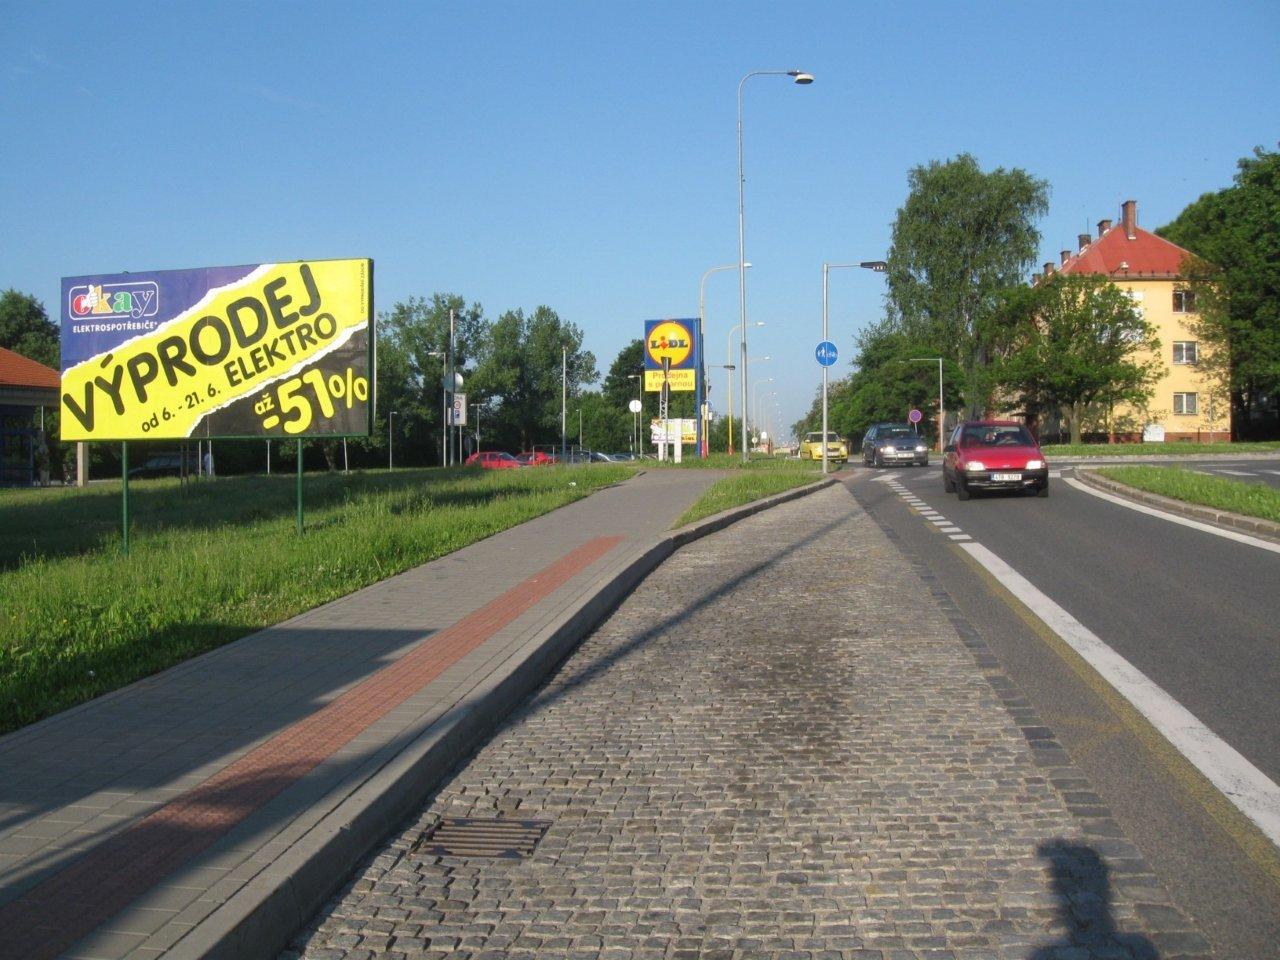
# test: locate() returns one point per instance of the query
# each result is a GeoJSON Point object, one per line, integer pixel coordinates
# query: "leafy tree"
{"type": "Point", "coordinates": [961, 237]}
{"type": "Point", "coordinates": [1235, 273]}
{"type": "Point", "coordinates": [25, 328]}
{"type": "Point", "coordinates": [885, 384]}
{"type": "Point", "coordinates": [1077, 340]}
{"type": "Point", "coordinates": [519, 368]}
{"type": "Point", "coordinates": [412, 340]}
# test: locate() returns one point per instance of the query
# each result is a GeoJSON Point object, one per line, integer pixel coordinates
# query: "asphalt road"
{"type": "Point", "coordinates": [1198, 614]}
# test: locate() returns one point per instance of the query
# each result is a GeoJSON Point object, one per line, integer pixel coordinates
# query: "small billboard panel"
{"type": "Point", "coordinates": [261, 350]}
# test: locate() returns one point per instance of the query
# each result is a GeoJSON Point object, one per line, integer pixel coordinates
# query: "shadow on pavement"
{"type": "Point", "coordinates": [1081, 882]}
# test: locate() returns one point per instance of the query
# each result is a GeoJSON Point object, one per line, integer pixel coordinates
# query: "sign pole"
{"type": "Point", "coordinates": [299, 486]}
{"type": "Point", "coordinates": [124, 500]}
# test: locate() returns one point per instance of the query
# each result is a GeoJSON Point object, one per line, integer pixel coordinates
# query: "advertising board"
{"type": "Point", "coordinates": [677, 341]}
{"type": "Point", "coordinates": [261, 350]}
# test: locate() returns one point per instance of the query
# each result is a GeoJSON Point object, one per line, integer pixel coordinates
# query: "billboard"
{"type": "Point", "coordinates": [683, 430]}
{"type": "Point", "coordinates": [677, 341]}
{"type": "Point", "coordinates": [262, 350]}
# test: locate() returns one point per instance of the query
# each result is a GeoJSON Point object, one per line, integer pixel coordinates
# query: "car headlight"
{"type": "Point", "coordinates": [921, 449]}
{"type": "Point", "coordinates": [1035, 465]}
{"type": "Point", "coordinates": [889, 448]}
{"type": "Point", "coordinates": [975, 465]}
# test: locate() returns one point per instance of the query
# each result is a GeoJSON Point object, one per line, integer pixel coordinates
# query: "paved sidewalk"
{"type": "Point", "coordinates": [786, 743]}
{"type": "Point", "coordinates": [129, 821]}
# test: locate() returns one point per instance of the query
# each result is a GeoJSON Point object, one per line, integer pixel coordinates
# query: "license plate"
{"type": "Point", "coordinates": [1005, 477]}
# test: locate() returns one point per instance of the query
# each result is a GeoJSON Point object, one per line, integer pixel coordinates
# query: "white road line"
{"type": "Point", "coordinates": [884, 478]}
{"type": "Point", "coordinates": [1174, 518]}
{"type": "Point", "coordinates": [1276, 472]}
{"type": "Point", "coordinates": [1238, 473]}
{"type": "Point", "coordinates": [961, 536]}
{"type": "Point", "coordinates": [949, 529]}
{"type": "Point", "coordinates": [1257, 797]}
{"type": "Point", "coordinates": [1054, 474]}
{"type": "Point", "coordinates": [941, 521]}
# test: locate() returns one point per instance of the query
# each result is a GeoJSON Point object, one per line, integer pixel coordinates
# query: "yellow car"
{"type": "Point", "coordinates": [811, 448]}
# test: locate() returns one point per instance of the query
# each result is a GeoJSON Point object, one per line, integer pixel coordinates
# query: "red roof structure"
{"type": "Point", "coordinates": [1123, 250]}
{"type": "Point", "coordinates": [19, 372]}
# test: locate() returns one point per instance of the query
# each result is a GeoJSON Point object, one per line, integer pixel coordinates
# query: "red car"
{"type": "Point", "coordinates": [993, 455]}
{"type": "Point", "coordinates": [536, 458]}
{"type": "Point", "coordinates": [494, 460]}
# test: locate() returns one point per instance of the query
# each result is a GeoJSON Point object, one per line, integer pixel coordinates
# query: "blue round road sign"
{"type": "Point", "coordinates": [826, 353]}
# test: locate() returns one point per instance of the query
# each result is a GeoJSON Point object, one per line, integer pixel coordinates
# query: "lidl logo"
{"type": "Point", "coordinates": [669, 340]}
{"type": "Point", "coordinates": [135, 299]}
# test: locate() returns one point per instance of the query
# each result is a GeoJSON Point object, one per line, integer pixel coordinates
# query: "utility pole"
{"type": "Point", "coordinates": [564, 400]}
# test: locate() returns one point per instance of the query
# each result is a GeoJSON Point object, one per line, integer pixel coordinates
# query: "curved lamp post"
{"type": "Point", "coordinates": [730, 367]}
{"type": "Point", "coordinates": [803, 79]}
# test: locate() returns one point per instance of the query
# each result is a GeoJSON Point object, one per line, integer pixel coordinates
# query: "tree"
{"type": "Point", "coordinates": [412, 340]}
{"type": "Point", "coordinates": [519, 367]}
{"type": "Point", "coordinates": [25, 328]}
{"type": "Point", "coordinates": [1075, 340]}
{"type": "Point", "coordinates": [884, 386]}
{"type": "Point", "coordinates": [1234, 235]}
{"type": "Point", "coordinates": [961, 237]}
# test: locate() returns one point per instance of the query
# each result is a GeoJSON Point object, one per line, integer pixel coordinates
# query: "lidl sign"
{"type": "Point", "coordinates": [268, 349]}
{"type": "Point", "coordinates": [675, 341]}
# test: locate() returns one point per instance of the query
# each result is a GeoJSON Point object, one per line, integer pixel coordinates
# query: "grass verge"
{"type": "Point", "coordinates": [222, 560]}
{"type": "Point", "coordinates": [726, 461]}
{"type": "Point", "coordinates": [1249, 499]}
{"type": "Point", "coordinates": [748, 485]}
{"type": "Point", "coordinates": [1171, 449]}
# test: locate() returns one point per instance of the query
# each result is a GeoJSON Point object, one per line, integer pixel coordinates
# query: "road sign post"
{"type": "Point", "coordinates": [826, 354]}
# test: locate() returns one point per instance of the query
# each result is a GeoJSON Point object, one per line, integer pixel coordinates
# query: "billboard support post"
{"type": "Point", "coordinates": [124, 497]}
{"type": "Point", "coordinates": [299, 486]}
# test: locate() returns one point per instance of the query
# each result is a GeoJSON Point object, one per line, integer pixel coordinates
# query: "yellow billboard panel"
{"type": "Point", "coordinates": [682, 381]}
{"type": "Point", "coordinates": [275, 349]}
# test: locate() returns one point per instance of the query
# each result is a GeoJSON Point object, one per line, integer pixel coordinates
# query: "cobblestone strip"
{"type": "Point", "coordinates": [779, 746]}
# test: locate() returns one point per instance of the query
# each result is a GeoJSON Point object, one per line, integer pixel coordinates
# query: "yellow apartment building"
{"type": "Point", "coordinates": [1185, 405]}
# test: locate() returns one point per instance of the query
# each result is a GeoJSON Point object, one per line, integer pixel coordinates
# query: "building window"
{"type": "Point", "coordinates": [1185, 351]}
{"type": "Point", "coordinates": [1184, 403]}
{"type": "Point", "coordinates": [1184, 301]}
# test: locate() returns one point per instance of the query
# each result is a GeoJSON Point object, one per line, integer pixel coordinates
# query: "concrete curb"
{"type": "Point", "coordinates": [1266, 529]}
{"type": "Point", "coordinates": [1110, 459]}
{"type": "Point", "coordinates": [257, 922]}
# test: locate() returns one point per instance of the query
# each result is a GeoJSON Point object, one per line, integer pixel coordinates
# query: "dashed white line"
{"type": "Point", "coordinates": [1239, 473]}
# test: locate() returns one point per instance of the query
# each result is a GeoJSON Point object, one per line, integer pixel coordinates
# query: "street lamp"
{"type": "Point", "coordinates": [730, 367]}
{"type": "Point", "coordinates": [879, 266]}
{"type": "Point", "coordinates": [803, 79]}
{"type": "Point", "coordinates": [702, 325]}
{"type": "Point", "coordinates": [942, 422]}
{"type": "Point", "coordinates": [749, 411]}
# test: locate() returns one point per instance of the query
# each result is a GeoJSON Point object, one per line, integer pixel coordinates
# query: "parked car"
{"type": "Point", "coordinates": [164, 465]}
{"type": "Point", "coordinates": [993, 455]}
{"type": "Point", "coordinates": [811, 447]}
{"type": "Point", "coordinates": [894, 443]}
{"type": "Point", "coordinates": [535, 458]}
{"type": "Point", "coordinates": [493, 460]}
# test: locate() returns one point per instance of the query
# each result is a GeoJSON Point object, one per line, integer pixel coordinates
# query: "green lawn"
{"type": "Point", "coordinates": [724, 461]}
{"type": "Point", "coordinates": [745, 486]}
{"type": "Point", "coordinates": [1234, 496]}
{"type": "Point", "coordinates": [1171, 449]}
{"type": "Point", "coordinates": [221, 560]}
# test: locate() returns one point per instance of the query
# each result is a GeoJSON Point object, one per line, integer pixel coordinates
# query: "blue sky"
{"type": "Point", "coordinates": [583, 155]}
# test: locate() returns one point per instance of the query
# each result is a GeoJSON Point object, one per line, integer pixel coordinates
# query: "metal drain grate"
{"type": "Point", "coordinates": [474, 837]}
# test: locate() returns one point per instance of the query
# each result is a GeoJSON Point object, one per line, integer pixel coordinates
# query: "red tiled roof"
{"type": "Point", "coordinates": [1146, 255]}
{"type": "Point", "coordinates": [19, 371]}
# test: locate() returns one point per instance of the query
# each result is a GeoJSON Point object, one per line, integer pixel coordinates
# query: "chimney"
{"type": "Point", "coordinates": [1048, 269]}
{"type": "Point", "coordinates": [1083, 240]}
{"type": "Point", "coordinates": [1066, 255]}
{"type": "Point", "coordinates": [1103, 227]}
{"type": "Point", "coordinates": [1129, 217]}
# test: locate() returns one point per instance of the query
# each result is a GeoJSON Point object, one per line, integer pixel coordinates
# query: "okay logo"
{"type": "Point", "coordinates": [137, 299]}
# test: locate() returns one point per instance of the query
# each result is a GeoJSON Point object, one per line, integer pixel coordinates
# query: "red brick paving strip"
{"type": "Point", "coordinates": [66, 906]}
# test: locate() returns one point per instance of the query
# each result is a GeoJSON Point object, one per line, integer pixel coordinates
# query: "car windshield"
{"type": "Point", "coordinates": [897, 433]}
{"type": "Point", "coordinates": [502, 456]}
{"type": "Point", "coordinates": [1006, 435]}
{"type": "Point", "coordinates": [817, 437]}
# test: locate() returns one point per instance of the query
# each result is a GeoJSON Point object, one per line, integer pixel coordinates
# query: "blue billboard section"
{"type": "Point", "coordinates": [103, 311]}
